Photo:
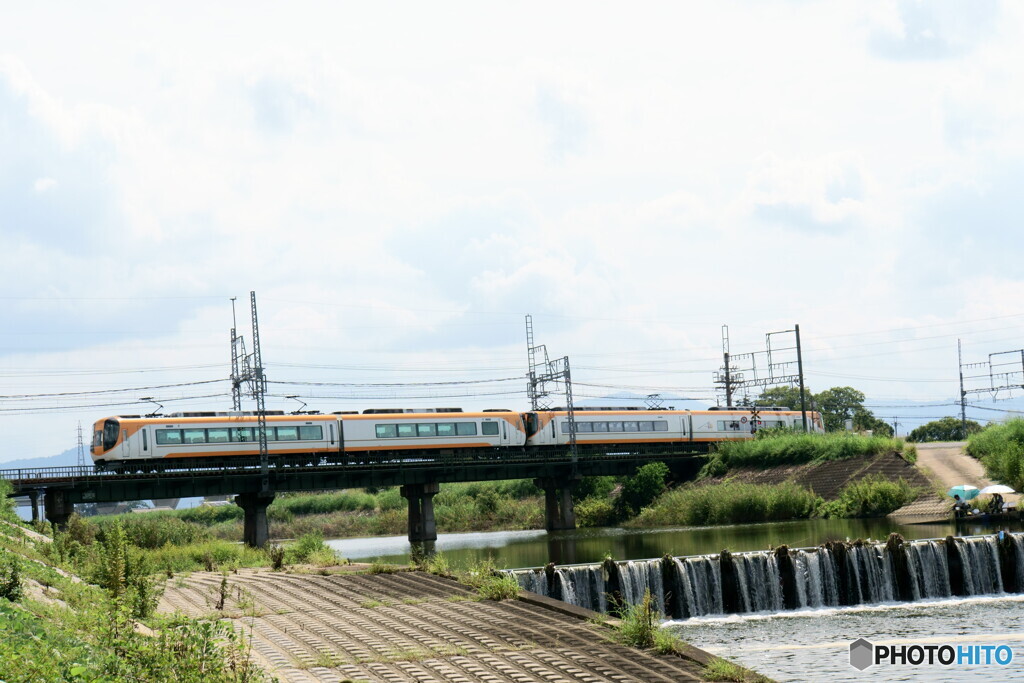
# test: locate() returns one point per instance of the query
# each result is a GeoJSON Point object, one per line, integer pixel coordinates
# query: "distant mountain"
{"type": "Point", "coordinates": [68, 457]}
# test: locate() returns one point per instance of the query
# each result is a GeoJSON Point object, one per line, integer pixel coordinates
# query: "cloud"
{"type": "Point", "coordinates": [934, 29]}
{"type": "Point", "coordinates": [564, 121]}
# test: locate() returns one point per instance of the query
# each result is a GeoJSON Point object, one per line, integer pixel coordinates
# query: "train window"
{"type": "Point", "coordinates": [195, 436]}
{"type": "Point", "coordinates": [166, 437]}
{"type": "Point", "coordinates": [489, 428]}
{"type": "Point", "coordinates": [446, 429]}
{"type": "Point", "coordinates": [287, 433]}
{"type": "Point", "coordinates": [271, 433]}
{"type": "Point", "coordinates": [407, 431]}
{"type": "Point", "coordinates": [145, 441]}
{"type": "Point", "coordinates": [584, 427]}
{"type": "Point", "coordinates": [661, 426]}
{"type": "Point", "coordinates": [311, 433]}
{"type": "Point", "coordinates": [426, 429]}
{"type": "Point", "coordinates": [630, 427]}
{"type": "Point", "coordinates": [387, 431]}
{"type": "Point", "coordinates": [466, 428]}
{"type": "Point", "coordinates": [614, 426]}
{"type": "Point", "coordinates": [600, 426]}
{"type": "Point", "coordinates": [217, 435]}
{"type": "Point", "coordinates": [243, 434]}
{"type": "Point", "coordinates": [646, 426]}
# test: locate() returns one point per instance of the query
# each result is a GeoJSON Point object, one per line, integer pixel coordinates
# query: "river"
{"type": "Point", "coordinates": [511, 549]}
{"type": "Point", "coordinates": [809, 644]}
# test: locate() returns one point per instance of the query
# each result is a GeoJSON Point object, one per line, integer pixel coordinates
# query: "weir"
{"type": "Point", "coordinates": [830, 575]}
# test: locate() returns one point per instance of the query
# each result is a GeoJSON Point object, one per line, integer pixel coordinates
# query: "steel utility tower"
{"type": "Point", "coordinates": [1003, 375]}
{"type": "Point", "coordinates": [540, 375]}
{"type": "Point", "coordinates": [259, 390]}
{"type": "Point", "coordinates": [777, 372]}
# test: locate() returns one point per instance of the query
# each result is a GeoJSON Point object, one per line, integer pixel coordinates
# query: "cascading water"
{"type": "Point", "coordinates": [769, 581]}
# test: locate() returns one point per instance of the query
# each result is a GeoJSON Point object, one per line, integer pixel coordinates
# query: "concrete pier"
{"type": "Point", "coordinates": [256, 530]}
{"type": "Point", "coordinates": [57, 507]}
{"type": "Point", "coordinates": [421, 511]}
{"type": "Point", "coordinates": [558, 509]}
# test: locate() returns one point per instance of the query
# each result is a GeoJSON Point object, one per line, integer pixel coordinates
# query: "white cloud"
{"type": "Point", "coordinates": [401, 186]}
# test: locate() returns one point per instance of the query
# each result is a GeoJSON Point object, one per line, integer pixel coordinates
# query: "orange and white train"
{"type": "Point", "coordinates": [204, 439]}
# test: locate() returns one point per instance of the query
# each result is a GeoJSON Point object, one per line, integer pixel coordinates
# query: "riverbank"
{"type": "Point", "coordinates": [304, 623]}
{"type": "Point", "coordinates": [414, 626]}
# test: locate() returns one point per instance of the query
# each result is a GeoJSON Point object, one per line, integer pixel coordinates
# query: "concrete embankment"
{"type": "Point", "coordinates": [827, 479]}
{"type": "Point", "coordinates": [412, 626]}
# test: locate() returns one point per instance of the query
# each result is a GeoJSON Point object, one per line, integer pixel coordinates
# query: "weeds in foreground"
{"type": "Point", "coordinates": [638, 623]}
{"type": "Point", "coordinates": [719, 669]}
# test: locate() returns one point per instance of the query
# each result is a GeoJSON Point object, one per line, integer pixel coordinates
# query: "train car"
{"type": "Point", "coordinates": [131, 442]}
{"type": "Point", "coordinates": [426, 435]}
{"type": "Point", "coordinates": [607, 428]}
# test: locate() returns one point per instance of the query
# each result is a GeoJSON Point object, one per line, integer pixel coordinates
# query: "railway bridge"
{"type": "Point", "coordinates": [419, 479]}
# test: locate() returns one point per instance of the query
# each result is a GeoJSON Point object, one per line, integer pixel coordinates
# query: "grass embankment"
{"type": "Point", "coordinates": [1000, 448]}
{"type": "Point", "coordinates": [778, 449]}
{"type": "Point", "coordinates": [55, 627]}
{"type": "Point", "coordinates": [732, 502]}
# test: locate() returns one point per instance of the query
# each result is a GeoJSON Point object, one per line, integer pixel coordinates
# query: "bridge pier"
{"type": "Point", "coordinates": [558, 510]}
{"type": "Point", "coordinates": [57, 507]}
{"type": "Point", "coordinates": [33, 498]}
{"type": "Point", "coordinates": [256, 530]}
{"type": "Point", "coordinates": [421, 511]}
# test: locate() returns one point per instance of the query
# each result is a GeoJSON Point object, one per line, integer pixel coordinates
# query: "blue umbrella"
{"type": "Point", "coordinates": [965, 491]}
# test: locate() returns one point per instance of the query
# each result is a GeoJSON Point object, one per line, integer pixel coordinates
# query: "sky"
{"type": "Point", "coordinates": [401, 184]}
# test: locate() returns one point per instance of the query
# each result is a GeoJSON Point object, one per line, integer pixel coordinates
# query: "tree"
{"type": "Point", "coordinates": [864, 420]}
{"type": "Point", "coordinates": [642, 488]}
{"type": "Point", "coordinates": [788, 397]}
{"type": "Point", "coordinates": [946, 429]}
{"type": "Point", "coordinates": [839, 404]}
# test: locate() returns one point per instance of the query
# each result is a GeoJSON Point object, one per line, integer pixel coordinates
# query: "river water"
{"type": "Point", "coordinates": [511, 549]}
{"type": "Point", "coordinates": [802, 645]}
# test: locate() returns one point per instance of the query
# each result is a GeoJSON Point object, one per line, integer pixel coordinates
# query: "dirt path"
{"type": "Point", "coordinates": [948, 465]}
{"type": "Point", "coordinates": [413, 627]}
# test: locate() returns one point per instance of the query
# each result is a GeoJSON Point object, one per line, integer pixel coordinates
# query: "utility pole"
{"type": "Point", "coordinates": [236, 379]}
{"type": "Point", "coordinates": [963, 394]}
{"type": "Point", "coordinates": [726, 377]}
{"type": "Point", "coordinates": [800, 371]}
{"type": "Point", "coordinates": [81, 447]}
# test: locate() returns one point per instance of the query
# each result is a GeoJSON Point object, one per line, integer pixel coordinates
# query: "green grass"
{"type": "Point", "coordinates": [729, 503]}
{"type": "Point", "coordinates": [776, 449]}
{"type": "Point", "coordinates": [1001, 450]}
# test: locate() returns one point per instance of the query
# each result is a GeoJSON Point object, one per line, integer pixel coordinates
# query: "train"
{"type": "Point", "coordinates": [212, 439]}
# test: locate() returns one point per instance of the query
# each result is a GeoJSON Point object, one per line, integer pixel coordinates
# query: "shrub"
{"type": "Point", "coordinates": [642, 488]}
{"type": "Point", "coordinates": [593, 487]}
{"type": "Point", "coordinates": [591, 512]}
{"type": "Point", "coordinates": [10, 576]}
{"type": "Point", "coordinates": [310, 544]}
{"type": "Point", "coordinates": [872, 496]}
{"type": "Point", "coordinates": [7, 506]}
{"type": "Point", "coordinates": [1001, 450]}
{"type": "Point", "coordinates": [276, 555]}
